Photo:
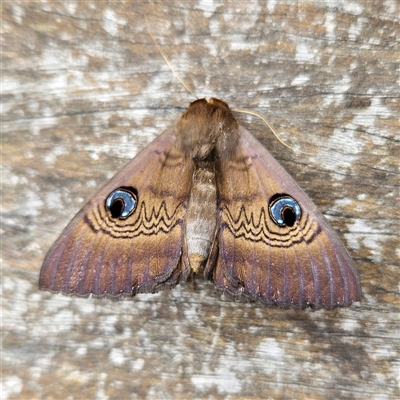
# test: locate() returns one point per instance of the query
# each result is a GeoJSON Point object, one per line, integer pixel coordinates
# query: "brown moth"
{"type": "Point", "coordinates": [204, 197]}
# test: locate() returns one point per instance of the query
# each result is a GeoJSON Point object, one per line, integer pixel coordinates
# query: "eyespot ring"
{"type": "Point", "coordinates": [122, 202]}
{"type": "Point", "coordinates": [284, 210]}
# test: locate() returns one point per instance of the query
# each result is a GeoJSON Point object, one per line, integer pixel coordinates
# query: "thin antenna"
{"type": "Point", "coordinates": [268, 125]}
{"type": "Point", "coordinates": [193, 94]}
{"type": "Point", "coordinates": [166, 59]}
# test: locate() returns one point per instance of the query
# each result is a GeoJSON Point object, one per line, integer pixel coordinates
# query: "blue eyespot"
{"type": "Point", "coordinates": [122, 202]}
{"type": "Point", "coordinates": [284, 210]}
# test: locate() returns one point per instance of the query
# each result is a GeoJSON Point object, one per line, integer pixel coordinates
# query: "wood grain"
{"type": "Point", "coordinates": [85, 88]}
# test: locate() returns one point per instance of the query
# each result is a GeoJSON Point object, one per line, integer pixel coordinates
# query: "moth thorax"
{"type": "Point", "coordinates": [201, 216]}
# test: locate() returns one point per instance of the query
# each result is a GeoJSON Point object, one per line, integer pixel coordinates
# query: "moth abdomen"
{"type": "Point", "coordinates": [201, 216]}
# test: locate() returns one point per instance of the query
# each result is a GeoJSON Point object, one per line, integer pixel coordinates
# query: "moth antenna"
{"type": "Point", "coordinates": [167, 60]}
{"type": "Point", "coordinates": [269, 127]}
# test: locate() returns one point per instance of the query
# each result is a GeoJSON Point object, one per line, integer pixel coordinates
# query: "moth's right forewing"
{"type": "Point", "coordinates": [303, 264]}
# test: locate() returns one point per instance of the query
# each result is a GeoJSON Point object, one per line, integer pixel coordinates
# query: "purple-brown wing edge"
{"type": "Point", "coordinates": [86, 261]}
{"type": "Point", "coordinates": [236, 281]}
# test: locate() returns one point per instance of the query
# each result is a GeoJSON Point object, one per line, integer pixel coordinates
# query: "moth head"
{"type": "Point", "coordinates": [122, 202]}
{"type": "Point", "coordinates": [284, 210]}
{"type": "Point", "coordinates": [203, 127]}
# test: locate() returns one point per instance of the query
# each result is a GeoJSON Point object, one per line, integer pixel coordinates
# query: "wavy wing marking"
{"type": "Point", "coordinates": [302, 265]}
{"type": "Point", "coordinates": [97, 254]}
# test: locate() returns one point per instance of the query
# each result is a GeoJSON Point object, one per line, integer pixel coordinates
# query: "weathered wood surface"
{"type": "Point", "coordinates": [85, 88]}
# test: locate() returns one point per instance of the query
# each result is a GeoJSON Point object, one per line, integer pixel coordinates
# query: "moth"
{"type": "Point", "coordinates": [204, 197]}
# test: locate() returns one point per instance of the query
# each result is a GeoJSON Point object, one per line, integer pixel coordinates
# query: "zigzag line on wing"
{"type": "Point", "coordinates": [258, 231]}
{"type": "Point", "coordinates": [145, 223]}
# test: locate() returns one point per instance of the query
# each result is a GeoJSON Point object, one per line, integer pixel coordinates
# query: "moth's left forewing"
{"type": "Point", "coordinates": [104, 255]}
{"type": "Point", "coordinates": [303, 264]}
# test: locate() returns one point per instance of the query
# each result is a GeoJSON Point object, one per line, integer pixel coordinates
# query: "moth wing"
{"type": "Point", "coordinates": [302, 265]}
{"type": "Point", "coordinates": [102, 255]}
